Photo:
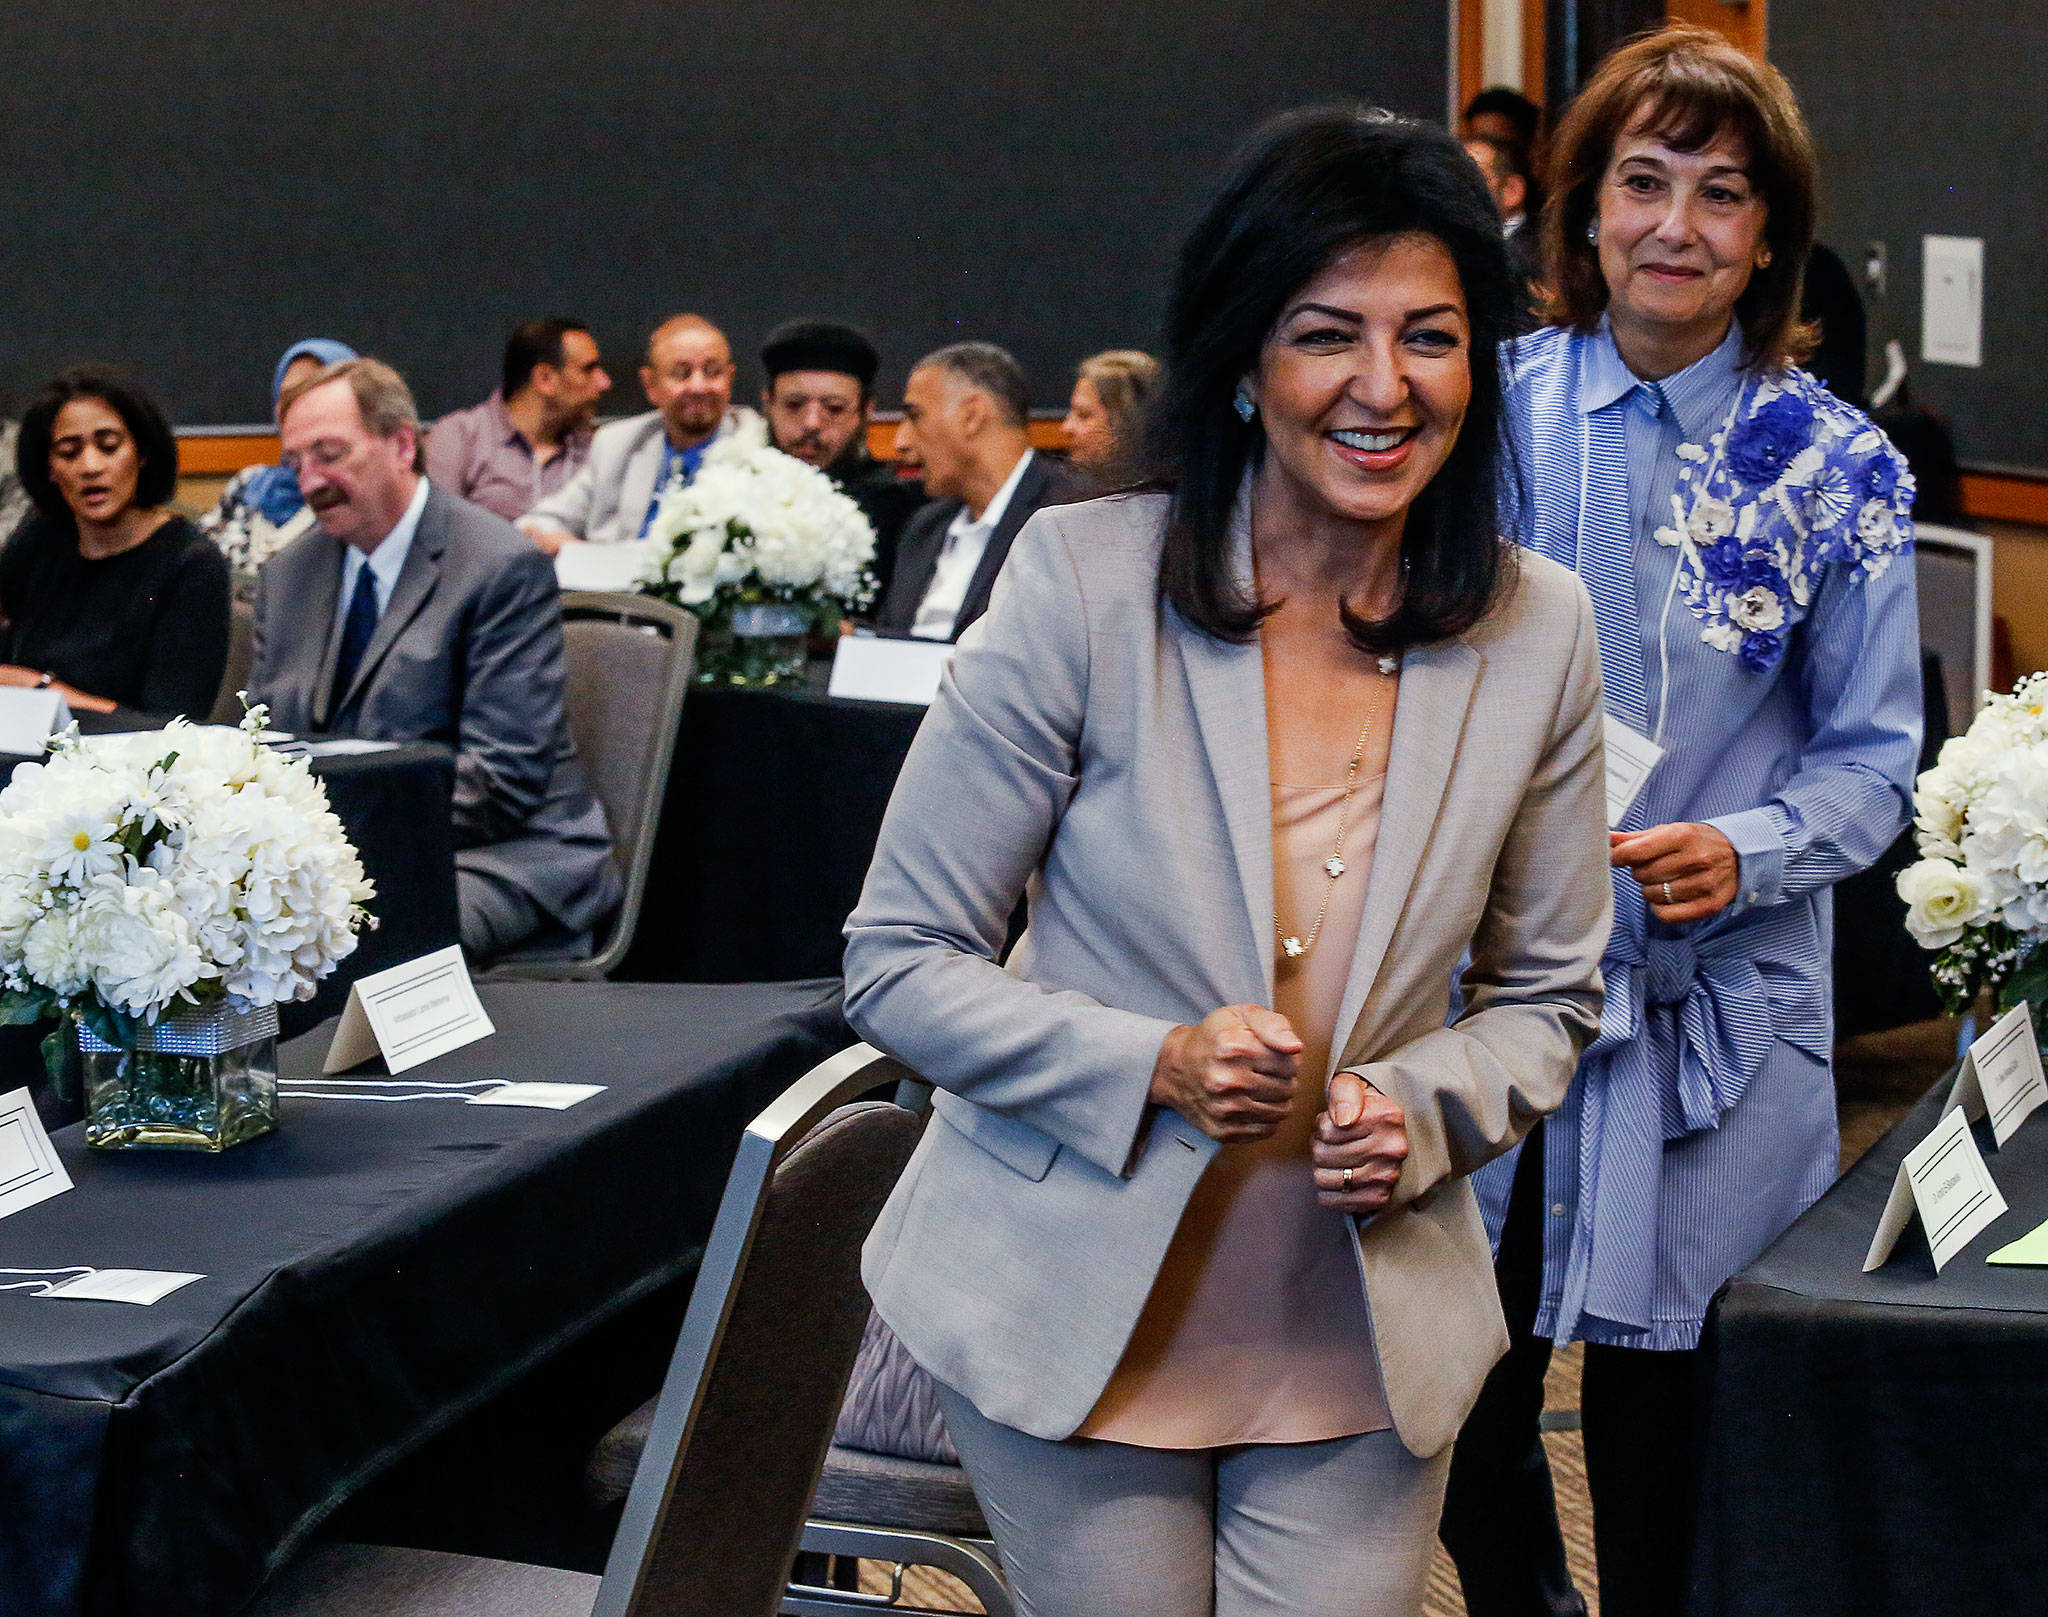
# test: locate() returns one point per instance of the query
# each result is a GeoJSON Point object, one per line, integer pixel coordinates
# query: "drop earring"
{"type": "Point", "coordinates": [1763, 258]}
{"type": "Point", "coordinates": [1593, 232]}
{"type": "Point", "coordinates": [1243, 405]}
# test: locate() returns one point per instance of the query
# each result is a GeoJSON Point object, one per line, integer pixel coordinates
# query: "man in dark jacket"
{"type": "Point", "coordinates": [819, 400]}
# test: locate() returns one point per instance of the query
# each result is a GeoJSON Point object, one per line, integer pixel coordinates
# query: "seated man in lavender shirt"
{"type": "Point", "coordinates": [531, 436]}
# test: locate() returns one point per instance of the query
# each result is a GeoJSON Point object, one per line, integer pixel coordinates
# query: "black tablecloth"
{"type": "Point", "coordinates": [1875, 1442]}
{"type": "Point", "coordinates": [774, 802]}
{"type": "Point", "coordinates": [374, 1271]}
{"type": "Point", "coordinates": [394, 806]}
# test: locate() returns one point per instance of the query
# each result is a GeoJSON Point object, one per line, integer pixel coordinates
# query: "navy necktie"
{"type": "Point", "coordinates": [356, 630]}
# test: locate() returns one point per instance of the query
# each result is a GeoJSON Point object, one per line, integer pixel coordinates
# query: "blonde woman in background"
{"type": "Point", "coordinates": [1105, 411]}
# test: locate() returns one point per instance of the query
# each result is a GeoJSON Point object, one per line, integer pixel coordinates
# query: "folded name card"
{"type": "Point", "coordinates": [871, 669]}
{"type": "Point", "coordinates": [580, 565]}
{"type": "Point", "coordinates": [1943, 1179]}
{"type": "Point", "coordinates": [410, 1014]}
{"type": "Point", "coordinates": [28, 718]}
{"type": "Point", "coordinates": [29, 1169]}
{"type": "Point", "coordinates": [1631, 756]}
{"type": "Point", "coordinates": [2001, 1077]}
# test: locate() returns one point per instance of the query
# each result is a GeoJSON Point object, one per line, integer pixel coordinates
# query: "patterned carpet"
{"type": "Point", "coordinates": [1878, 1077]}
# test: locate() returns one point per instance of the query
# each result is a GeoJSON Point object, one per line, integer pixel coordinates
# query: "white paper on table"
{"type": "Point", "coordinates": [29, 717]}
{"type": "Point", "coordinates": [346, 747]}
{"type": "Point", "coordinates": [1943, 1179]}
{"type": "Point", "coordinates": [143, 1286]}
{"type": "Point", "coordinates": [1631, 756]}
{"type": "Point", "coordinates": [410, 1014]}
{"type": "Point", "coordinates": [869, 668]}
{"type": "Point", "coordinates": [555, 1097]}
{"type": "Point", "coordinates": [581, 565]}
{"type": "Point", "coordinates": [2001, 1076]}
{"type": "Point", "coordinates": [30, 1171]}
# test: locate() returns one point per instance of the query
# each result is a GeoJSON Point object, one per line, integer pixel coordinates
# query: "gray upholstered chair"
{"type": "Point", "coordinates": [630, 658]}
{"type": "Point", "coordinates": [732, 1450]}
{"type": "Point", "coordinates": [892, 1488]}
{"type": "Point", "coordinates": [234, 679]}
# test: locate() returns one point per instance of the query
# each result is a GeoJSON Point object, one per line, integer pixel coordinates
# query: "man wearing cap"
{"type": "Point", "coordinates": [819, 400]}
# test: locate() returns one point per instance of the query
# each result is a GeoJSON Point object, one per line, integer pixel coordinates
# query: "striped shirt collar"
{"type": "Point", "coordinates": [1698, 395]}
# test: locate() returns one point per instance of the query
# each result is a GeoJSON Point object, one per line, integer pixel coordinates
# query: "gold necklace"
{"type": "Point", "coordinates": [1293, 945]}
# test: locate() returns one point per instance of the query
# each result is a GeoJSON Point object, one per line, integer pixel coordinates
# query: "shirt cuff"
{"type": "Point", "coordinates": [1760, 857]}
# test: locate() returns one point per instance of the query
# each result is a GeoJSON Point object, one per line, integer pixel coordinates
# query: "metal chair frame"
{"type": "Point", "coordinates": [681, 629]}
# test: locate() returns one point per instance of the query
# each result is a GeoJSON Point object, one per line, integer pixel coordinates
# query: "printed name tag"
{"type": "Point", "coordinates": [410, 1014]}
{"type": "Point", "coordinates": [2001, 1077]}
{"type": "Point", "coordinates": [1631, 756]}
{"type": "Point", "coordinates": [140, 1286]}
{"type": "Point", "coordinates": [555, 1097]}
{"type": "Point", "coordinates": [1944, 1179]}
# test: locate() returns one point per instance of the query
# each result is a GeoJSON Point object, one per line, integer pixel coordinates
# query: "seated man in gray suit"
{"type": "Point", "coordinates": [407, 614]}
{"type": "Point", "coordinates": [688, 380]}
{"type": "Point", "coordinates": [965, 416]}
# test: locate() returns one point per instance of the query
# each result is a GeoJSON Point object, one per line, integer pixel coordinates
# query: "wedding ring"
{"type": "Point", "coordinates": [1347, 1178]}
{"type": "Point", "coordinates": [1667, 892]}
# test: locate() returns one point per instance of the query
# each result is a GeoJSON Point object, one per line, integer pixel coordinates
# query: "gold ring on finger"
{"type": "Point", "coordinates": [1347, 1179]}
{"type": "Point", "coordinates": [1667, 892]}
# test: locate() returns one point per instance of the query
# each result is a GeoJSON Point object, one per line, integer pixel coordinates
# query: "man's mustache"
{"type": "Point", "coordinates": [326, 499]}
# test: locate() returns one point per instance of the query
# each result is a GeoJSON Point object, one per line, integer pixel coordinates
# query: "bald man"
{"type": "Point", "coordinates": [688, 379]}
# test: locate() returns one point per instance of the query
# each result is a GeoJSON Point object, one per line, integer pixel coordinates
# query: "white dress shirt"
{"type": "Point", "coordinates": [966, 544]}
{"type": "Point", "coordinates": [386, 562]}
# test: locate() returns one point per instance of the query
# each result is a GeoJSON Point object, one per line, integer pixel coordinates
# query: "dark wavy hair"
{"type": "Point", "coordinates": [155, 444]}
{"type": "Point", "coordinates": [1307, 187]}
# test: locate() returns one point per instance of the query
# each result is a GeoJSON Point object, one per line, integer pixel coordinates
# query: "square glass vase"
{"type": "Point", "coordinates": [759, 645]}
{"type": "Point", "coordinates": [199, 1082]}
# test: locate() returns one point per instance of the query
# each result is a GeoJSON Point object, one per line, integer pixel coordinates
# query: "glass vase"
{"type": "Point", "coordinates": [758, 645]}
{"type": "Point", "coordinates": [199, 1082]}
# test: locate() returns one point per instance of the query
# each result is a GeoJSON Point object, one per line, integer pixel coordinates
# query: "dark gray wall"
{"type": "Point", "coordinates": [189, 186]}
{"type": "Point", "coordinates": [1930, 121]}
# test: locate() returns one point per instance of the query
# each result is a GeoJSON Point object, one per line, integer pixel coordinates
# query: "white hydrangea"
{"type": "Point", "coordinates": [1980, 817]}
{"type": "Point", "coordinates": [754, 514]}
{"type": "Point", "coordinates": [169, 869]}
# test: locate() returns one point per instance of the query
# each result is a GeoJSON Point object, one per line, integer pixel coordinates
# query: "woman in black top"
{"type": "Point", "coordinates": [106, 594]}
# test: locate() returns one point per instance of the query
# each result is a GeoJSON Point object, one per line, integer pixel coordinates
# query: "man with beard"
{"type": "Point", "coordinates": [688, 380]}
{"type": "Point", "coordinates": [819, 399]}
{"type": "Point", "coordinates": [407, 614]}
{"type": "Point", "coordinates": [532, 435]}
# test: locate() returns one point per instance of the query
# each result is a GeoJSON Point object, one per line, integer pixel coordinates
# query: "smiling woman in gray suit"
{"type": "Point", "coordinates": [1271, 750]}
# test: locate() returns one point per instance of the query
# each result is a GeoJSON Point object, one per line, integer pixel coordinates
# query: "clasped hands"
{"type": "Point", "coordinates": [1694, 864]}
{"type": "Point", "coordinates": [1232, 1075]}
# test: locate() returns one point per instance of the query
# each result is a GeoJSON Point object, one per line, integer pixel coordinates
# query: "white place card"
{"type": "Point", "coordinates": [28, 718]}
{"type": "Point", "coordinates": [1944, 1179]}
{"type": "Point", "coordinates": [410, 1014]}
{"type": "Point", "coordinates": [580, 565]}
{"type": "Point", "coordinates": [2001, 1076]}
{"type": "Point", "coordinates": [869, 668]}
{"type": "Point", "coordinates": [555, 1097]}
{"type": "Point", "coordinates": [1631, 756]}
{"type": "Point", "coordinates": [29, 1169]}
{"type": "Point", "coordinates": [141, 1286]}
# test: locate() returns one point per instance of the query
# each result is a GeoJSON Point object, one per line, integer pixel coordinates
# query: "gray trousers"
{"type": "Point", "coordinates": [1088, 1528]}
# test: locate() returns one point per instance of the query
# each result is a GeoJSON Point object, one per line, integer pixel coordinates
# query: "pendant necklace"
{"type": "Point", "coordinates": [1293, 945]}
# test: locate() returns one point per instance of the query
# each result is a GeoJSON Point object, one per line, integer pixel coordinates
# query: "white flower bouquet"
{"type": "Point", "coordinates": [759, 545]}
{"type": "Point", "coordinates": [1978, 897]}
{"type": "Point", "coordinates": [150, 875]}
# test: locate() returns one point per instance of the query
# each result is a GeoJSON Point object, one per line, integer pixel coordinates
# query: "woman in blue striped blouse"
{"type": "Point", "coordinates": [1745, 539]}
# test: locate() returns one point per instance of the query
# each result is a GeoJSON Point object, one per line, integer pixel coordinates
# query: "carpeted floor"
{"type": "Point", "coordinates": [1878, 1077]}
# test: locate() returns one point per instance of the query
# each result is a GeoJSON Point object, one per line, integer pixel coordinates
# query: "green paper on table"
{"type": "Point", "coordinates": [2029, 1251]}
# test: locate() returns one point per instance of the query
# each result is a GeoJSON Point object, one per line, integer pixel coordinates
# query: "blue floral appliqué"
{"type": "Point", "coordinates": [1794, 482]}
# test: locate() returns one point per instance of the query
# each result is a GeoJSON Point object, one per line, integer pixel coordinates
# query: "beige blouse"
{"type": "Point", "coordinates": [1256, 1329]}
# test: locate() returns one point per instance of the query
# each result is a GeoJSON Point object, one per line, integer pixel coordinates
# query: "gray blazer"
{"type": "Point", "coordinates": [468, 653]}
{"type": "Point", "coordinates": [1093, 750]}
{"type": "Point", "coordinates": [606, 501]}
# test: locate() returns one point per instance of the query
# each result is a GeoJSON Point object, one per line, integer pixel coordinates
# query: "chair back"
{"type": "Point", "coordinates": [629, 663]}
{"type": "Point", "coordinates": [712, 1521]}
{"type": "Point", "coordinates": [234, 679]}
{"type": "Point", "coordinates": [1953, 571]}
